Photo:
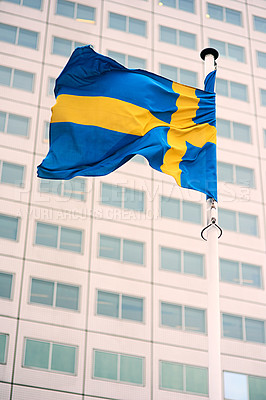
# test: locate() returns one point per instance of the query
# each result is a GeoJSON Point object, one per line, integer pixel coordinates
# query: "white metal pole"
{"type": "Point", "coordinates": [213, 318]}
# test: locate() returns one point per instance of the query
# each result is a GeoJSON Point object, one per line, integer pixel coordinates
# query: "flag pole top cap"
{"type": "Point", "coordinates": [207, 51]}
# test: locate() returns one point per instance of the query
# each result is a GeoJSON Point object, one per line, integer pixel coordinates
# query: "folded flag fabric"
{"type": "Point", "coordinates": [106, 113]}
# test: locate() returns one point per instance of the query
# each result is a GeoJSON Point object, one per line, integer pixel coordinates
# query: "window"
{"type": "Point", "coordinates": [119, 306]}
{"type": "Point", "coordinates": [236, 174]}
{"type": "Point", "coordinates": [229, 50]}
{"type": "Point", "coordinates": [243, 328]}
{"type": "Point", "coordinates": [240, 273]}
{"type": "Point", "coordinates": [6, 285]}
{"type": "Point", "coordinates": [118, 367]}
{"type": "Point", "coordinates": [238, 222]}
{"type": "Point", "coordinates": [14, 124]}
{"type": "Point", "coordinates": [184, 210]}
{"type": "Point", "coordinates": [77, 11]}
{"type": "Point", "coordinates": [184, 5]}
{"type": "Point", "coordinates": [127, 24]}
{"type": "Point", "coordinates": [231, 89]}
{"type": "Point", "coordinates": [49, 356]}
{"type": "Point", "coordinates": [8, 227]}
{"type": "Point", "coordinates": [121, 249]}
{"type": "Point", "coordinates": [54, 294]}
{"type": "Point", "coordinates": [122, 197]}
{"type": "Point", "coordinates": [233, 130]}
{"type": "Point", "coordinates": [12, 174]}
{"type": "Point", "coordinates": [181, 75]}
{"type": "Point", "coordinates": [224, 14]}
{"type": "Point", "coordinates": [261, 59]}
{"type": "Point", "coordinates": [259, 24]}
{"type": "Point", "coordinates": [16, 78]}
{"type": "Point", "coordinates": [139, 159]}
{"type": "Point", "coordinates": [243, 387]}
{"type": "Point", "coordinates": [3, 347]}
{"type": "Point", "coordinates": [181, 261]}
{"type": "Point", "coordinates": [22, 37]}
{"type": "Point", "coordinates": [127, 60]}
{"type": "Point", "coordinates": [64, 47]}
{"type": "Point", "coordinates": [180, 38]}
{"type": "Point", "coordinates": [37, 4]}
{"type": "Point", "coordinates": [263, 97]}
{"type": "Point", "coordinates": [183, 317]}
{"type": "Point", "coordinates": [58, 237]}
{"type": "Point", "coordinates": [51, 86]}
{"type": "Point", "coordinates": [183, 378]}
{"type": "Point", "coordinates": [46, 131]}
{"type": "Point", "coordinates": [74, 188]}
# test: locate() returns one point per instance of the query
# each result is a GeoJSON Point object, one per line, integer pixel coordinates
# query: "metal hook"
{"type": "Point", "coordinates": [208, 226]}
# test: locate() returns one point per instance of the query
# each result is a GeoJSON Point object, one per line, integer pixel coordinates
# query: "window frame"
{"type": "Point", "coordinates": [227, 44]}
{"type": "Point", "coordinates": [22, 186]}
{"type": "Point", "coordinates": [18, 227]}
{"type": "Point", "coordinates": [75, 12]}
{"type": "Point", "coordinates": [224, 14]}
{"type": "Point", "coordinates": [11, 85]}
{"type": "Point", "coordinates": [49, 369]}
{"type": "Point", "coordinates": [177, 35]}
{"type": "Point", "coordinates": [6, 347]}
{"type": "Point", "coordinates": [244, 333]}
{"type": "Point", "coordinates": [240, 273]}
{"type": "Point", "coordinates": [237, 213]}
{"type": "Point", "coordinates": [18, 29]}
{"type": "Point", "coordinates": [123, 191]}
{"type": "Point", "coordinates": [182, 255]}
{"type": "Point", "coordinates": [181, 209]}
{"type": "Point", "coordinates": [234, 168]}
{"type": "Point", "coordinates": [128, 24]}
{"type": "Point", "coordinates": [61, 194]}
{"type": "Point", "coordinates": [11, 298]}
{"type": "Point", "coordinates": [232, 133]}
{"type": "Point", "coordinates": [7, 115]}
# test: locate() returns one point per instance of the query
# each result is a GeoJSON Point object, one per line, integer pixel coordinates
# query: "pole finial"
{"type": "Point", "coordinates": [209, 50]}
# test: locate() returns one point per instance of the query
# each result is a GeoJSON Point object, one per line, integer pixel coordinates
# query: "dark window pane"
{"type": "Point", "coordinates": [195, 320]}
{"type": "Point", "coordinates": [8, 33]}
{"type": "Point", "coordinates": [171, 315]}
{"type": "Point", "coordinates": [168, 72]}
{"type": "Point", "coordinates": [5, 76]}
{"type": "Point", "coordinates": [227, 219]}
{"type": "Point", "coordinates": [169, 3]}
{"type": "Point", "coordinates": [33, 4]}
{"type": "Point", "coordinates": [5, 285]}
{"type": "Point", "coordinates": [105, 365]}
{"type": "Point", "coordinates": [187, 40]}
{"type": "Point", "coordinates": [233, 16]}
{"type": "Point", "coordinates": [232, 326]}
{"type": "Point", "coordinates": [109, 247]}
{"type": "Point", "coordinates": [251, 275]}
{"type": "Point", "coordinates": [136, 62]}
{"type": "Point", "coordinates": [108, 304]}
{"type": "Point", "coordinates": [225, 172]}
{"type": "Point", "coordinates": [119, 57]}
{"type": "Point", "coordinates": [36, 354]}
{"type": "Point", "coordinates": [215, 12]}
{"type": "Point", "coordinates": [46, 235]}
{"type": "Point", "coordinates": [42, 292]}
{"type": "Point", "coordinates": [222, 87]}
{"type": "Point", "coordinates": [248, 224]}
{"type": "Point", "coordinates": [171, 376]}
{"type": "Point", "coordinates": [12, 174]}
{"type": "Point", "coordinates": [255, 330]}
{"type": "Point", "coordinates": [259, 24]}
{"type": "Point", "coordinates": [133, 199]}
{"type": "Point", "coordinates": [23, 80]}
{"type": "Point", "coordinates": [137, 26]}
{"type": "Point", "coordinates": [65, 8]}
{"type": "Point", "coordinates": [189, 78]}
{"type": "Point", "coordinates": [67, 296]}
{"type": "Point", "coordinates": [170, 259]}
{"type": "Point", "coordinates": [239, 91]}
{"type": "Point", "coordinates": [223, 128]}
{"type": "Point", "coordinates": [28, 38]}
{"type": "Point", "coordinates": [229, 271]}
{"type": "Point", "coordinates": [131, 369]}
{"type": "Point", "coordinates": [236, 53]}
{"type": "Point", "coordinates": [3, 345]}
{"type": "Point", "coordinates": [133, 252]}
{"type": "Point", "coordinates": [8, 227]}
{"type": "Point", "coordinates": [263, 97]}
{"type": "Point", "coordinates": [132, 308]}
{"type": "Point", "coordinates": [187, 5]}
{"type": "Point", "coordinates": [261, 59]}
{"type": "Point", "coordinates": [71, 239]}
{"type": "Point", "coordinates": [241, 132]}
{"type": "Point", "coordinates": [117, 21]}
{"type": "Point", "coordinates": [191, 212]}
{"type": "Point", "coordinates": [17, 125]}
{"type": "Point", "coordinates": [196, 380]}
{"type": "Point", "coordinates": [245, 176]}
{"type": "Point", "coordinates": [257, 388]}
{"type": "Point", "coordinates": [62, 47]}
{"type": "Point", "coordinates": [170, 208]}
{"type": "Point", "coordinates": [2, 121]}
{"type": "Point", "coordinates": [111, 195]}
{"type": "Point", "coordinates": [85, 13]}
{"type": "Point", "coordinates": [218, 45]}
{"type": "Point", "coordinates": [168, 35]}
{"type": "Point", "coordinates": [63, 358]}
{"type": "Point", "coordinates": [193, 264]}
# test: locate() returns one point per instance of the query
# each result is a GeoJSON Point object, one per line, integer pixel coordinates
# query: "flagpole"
{"type": "Point", "coordinates": [213, 232]}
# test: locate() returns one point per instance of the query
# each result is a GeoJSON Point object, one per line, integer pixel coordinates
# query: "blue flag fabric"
{"type": "Point", "coordinates": [105, 114]}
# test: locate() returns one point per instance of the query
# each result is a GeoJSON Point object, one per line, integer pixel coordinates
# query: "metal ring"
{"type": "Point", "coordinates": [208, 226]}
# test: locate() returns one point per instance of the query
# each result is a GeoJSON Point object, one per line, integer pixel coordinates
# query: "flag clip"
{"type": "Point", "coordinates": [213, 223]}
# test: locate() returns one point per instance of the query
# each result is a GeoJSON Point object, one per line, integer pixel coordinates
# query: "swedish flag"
{"type": "Point", "coordinates": [105, 114]}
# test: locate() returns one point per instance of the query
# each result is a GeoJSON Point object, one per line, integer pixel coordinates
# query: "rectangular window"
{"type": "Point", "coordinates": [181, 261]}
{"type": "Point", "coordinates": [128, 60]}
{"type": "Point", "coordinates": [49, 356]}
{"type": "Point", "coordinates": [183, 378]}
{"type": "Point", "coordinates": [16, 78]}
{"type": "Point", "coordinates": [173, 208]}
{"type": "Point", "coordinates": [118, 367]}
{"type": "Point", "coordinates": [232, 326]}
{"type": "Point", "coordinates": [259, 24]}
{"type": "Point", "coordinates": [74, 188]}
{"type": "Point", "coordinates": [58, 237]}
{"type": "Point", "coordinates": [236, 174]}
{"type": "Point", "coordinates": [8, 227]}
{"type": "Point", "coordinates": [234, 90]}
{"type": "Point", "coordinates": [77, 11]}
{"type": "Point", "coordinates": [19, 36]}
{"type": "Point", "coordinates": [261, 59]}
{"type": "Point", "coordinates": [263, 97]}
{"type": "Point", "coordinates": [14, 124]}
{"type": "Point", "coordinates": [243, 328]}
{"type": "Point", "coordinates": [110, 247]}
{"type": "Point", "coordinates": [127, 24]}
{"type": "Point", "coordinates": [120, 306]}
{"type": "Point", "coordinates": [6, 281]}
{"type": "Point", "coordinates": [11, 174]}
{"type": "Point", "coordinates": [180, 38]}
{"type": "Point", "coordinates": [122, 197]}
{"type": "Point", "coordinates": [239, 222]}
{"type": "Point", "coordinates": [233, 130]}
{"type": "Point", "coordinates": [130, 251]}
{"type": "Point", "coordinates": [228, 50]}
{"type": "Point", "coordinates": [184, 5]}
{"type": "Point", "coordinates": [181, 75]}
{"type": "Point", "coordinates": [224, 14]}
{"type": "Point", "coordinates": [37, 4]}
{"type": "Point", "coordinates": [3, 347]}
{"type": "Point", "coordinates": [183, 317]}
{"type": "Point", "coordinates": [54, 294]}
{"type": "Point", "coordinates": [64, 47]}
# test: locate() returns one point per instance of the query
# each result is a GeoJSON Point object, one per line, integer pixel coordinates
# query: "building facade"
{"type": "Point", "coordinates": [103, 281]}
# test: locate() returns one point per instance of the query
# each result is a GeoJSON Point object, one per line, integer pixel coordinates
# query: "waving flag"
{"type": "Point", "coordinates": [105, 114]}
